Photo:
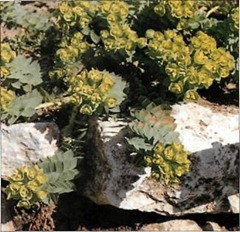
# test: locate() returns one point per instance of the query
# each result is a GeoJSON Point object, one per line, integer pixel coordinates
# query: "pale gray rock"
{"type": "Point", "coordinates": [26, 143]}
{"type": "Point", "coordinates": [234, 203]}
{"type": "Point", "coordinates": [6, 219]}
{"type": "Point", "coordinates": [173, 225]}
{"type": "Point", "coordinates": [211, 136]}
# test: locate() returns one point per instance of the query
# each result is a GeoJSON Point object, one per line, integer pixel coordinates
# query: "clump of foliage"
{"type": "Point", "coordinates": [156, 143]}
{"type": "Point", "coordinates": [43, 182]}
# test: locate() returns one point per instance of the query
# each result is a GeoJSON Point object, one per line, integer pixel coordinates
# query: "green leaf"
{"type": "Point", "coordinates": [94, 37]}
{"type": "Point", "coordinates": [26, 72]}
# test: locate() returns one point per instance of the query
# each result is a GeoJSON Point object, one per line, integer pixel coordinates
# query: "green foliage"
{"type": "Point", "coordinates": [26, 185]}
{"type": "Point", "coordinates": [60, 171]}
{"type": "Point", "coordinates": [25, 73]}
{"type": "Point", "coordinates": [17, 14]}
{"type": "Point", "coordinates": [155, 141]}
{"type": "Point", "coordinates": [22, 106]}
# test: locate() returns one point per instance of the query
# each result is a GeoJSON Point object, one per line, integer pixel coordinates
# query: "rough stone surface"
{"type": "Point", "coordinates": [6, 219]}
{"type": "Point", "coordinates": [26, 143]}
{"type": "Point", "coordinates": [234, 202]}
{"type": "Point", "coordinates": [213, 226]}
{"type": "Point", "coordinates": [173, 225]}
{"type": "Point", "coordinates": [210, 135]}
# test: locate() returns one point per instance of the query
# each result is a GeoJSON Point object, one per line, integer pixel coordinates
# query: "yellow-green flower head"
{"type": "Point", "coordinates": [149, 34]}
{"type": "Point", "coordinates": [86, 109]}
{"type": "Point", "coordinates": [63, 55]}
{"type": "Point", "coordinates": [4, 72]}
{"type": "Point", "coordinates": [84, 21]}
{"type": "Point", "coordinates": [115, 30]}
{"type": "Point", "coordinates": [18, 175]}
{"type": "Point", "coordinates": [73, 51]}
{"type": "Point", "coordinates": [105, 7]}
{"type": "Point", "coordinates": [177, 12]}
{"type": "Point", "coordinates": [87, 90]}
{"type": "Point", "coordinates": [176, 87]}
{"type": "Point", "coordinates": [25, 193]}
{"type": "Point", "coordinates": [183, 24]}
{"type": "Point", "coordinates": [15, 187]}
{"type": "Point", "coordinates": [200, 58]}
{"type": "Point", "coordinates": [112, 19]}
{"type": "Point", "coordinates": [76, 39]}
{"type": "Point", "coordinates": [124, 11]}
{"type": "Point", "coordinates": [159, 148]}
{"type": "Point", "coordinates": [6, 54]}
{"type": "Point", "coordinates": [169, 153]}
{"type": "Point", "coordinates": [64, 8]}
{"type": "Point", "coordinates": [111, 102]}
{"type": "Point", "coordinates": [104, 34]}
{"type": "Point", "coordinates": [32, 172]}
{"type": "Point", "coordinates": [107, 79]}
{"type": "Point", "coordinates": [205, 78]}
{"type": "Point", "coordinates": [68, 16]}
{"type": "Point", "coordinates": [24, 203]}
{"type": "Point", "coordinates": [160, 9]}
{"type": "Point", "coordinates": [173, 71]}
{"type": "Point", "coordinates": [224, 72]}
{"type": "Point", "coordinates": [7, 97]}
{"type": "Point", "coordinates": [104, 88]}
{"type": "Point", "coordinates": [83, 47]}
{"type": "Point", "coordinates": [95, 98]}
{"type": "Point", "coordinates": [235, 18]}
{"type": "Point", "coordinates": [169, 34]}
{"type": "Point", "coordinates": [191, 95]}
{"type": "Point", "coordinates": [142, 42]}
{"type": "Point", "coordinates": [211, 66]}
{"type": "Point", "coordinates": [95, 75]}
{"type": "Point", "coordinates": [33, 185]}
{"type": "Point", "coordinates": [41, 178]}
{"type": "Point", "coordinates": [180, 171]}
{"type": "Point", "coordinates": [178, 147]}
{"type": "Point", "coordinates": [148, 160]}
{"type": "Point", "coordinates": [41, 194]}
{"type": "Point", "coordinates": [78, 10]}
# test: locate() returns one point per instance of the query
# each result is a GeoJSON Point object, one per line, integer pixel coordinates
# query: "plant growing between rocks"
{"type": "Point", "coordinates": [102, 58]}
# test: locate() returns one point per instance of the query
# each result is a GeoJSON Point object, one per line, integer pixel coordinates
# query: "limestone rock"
{"type": "Point", "coordinates": [26, 143]}
{"type": "Point", "coordinates": [210, 134]}
{"type": "Point", "coordinates": [234, 203]}
{"type": "Point", "coordinates": [173, 225]}
{"type": "Point", "coordinates": [6, 219]}
{"type": "Point", "coordinates": [213, 226]}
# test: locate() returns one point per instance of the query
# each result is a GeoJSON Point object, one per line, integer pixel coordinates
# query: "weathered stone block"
{"type": "Point", "coordinates": [26, 143]}
{"type": "Point", "coordinates": [210, 134]}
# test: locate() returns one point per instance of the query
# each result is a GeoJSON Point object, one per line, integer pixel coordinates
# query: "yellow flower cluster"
{"type": "Point", "coordinates": [235, 19]}
{"type": "Point", "coordinates": [168, 162]}
{"type": "Point", "coordinates": [113, 11]}
{"type": "Point", "coordinates": [77, 13]}
{"type": "Point", "coordinates": [120, 37]}
{"type": "Point", "coordinates": [189, 67]}
{"type": "Point", "coordinates": [26, 186]}
{"type": "Point", "coordinates": [72, 51]}
{"type": "Point", "coordinates": [7, 96]}
{"type": "Point", "coordinates": [177, 9]}
{"type": "Point", "coordinates": [6, 56]}
{"type": "Point", "coordinates": [91, 89]}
